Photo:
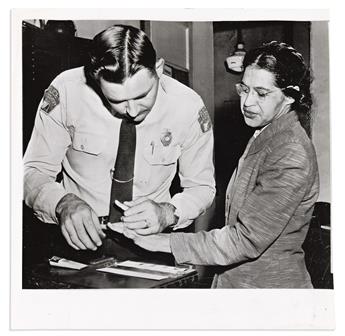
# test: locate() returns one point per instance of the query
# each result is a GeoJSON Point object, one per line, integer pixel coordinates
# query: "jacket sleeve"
{"type": "Point", "coordinates": [281, 185]}
{"type": "Point", "coordinates": [43, 158]}
{"type": "Point", "coordinates": [196, 171]}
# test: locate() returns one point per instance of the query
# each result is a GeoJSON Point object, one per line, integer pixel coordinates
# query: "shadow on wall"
{"type": "Point", "coordinates": [317, 247]}
{"type": "Point", "coordinates": [231, 138]}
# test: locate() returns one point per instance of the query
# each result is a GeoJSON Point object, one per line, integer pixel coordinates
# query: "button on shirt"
{"type": "Point", "coordinates": [80, 135]}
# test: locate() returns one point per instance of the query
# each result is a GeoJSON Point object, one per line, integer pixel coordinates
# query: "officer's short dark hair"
{"type": "Point", "coordinates": [118, 53]}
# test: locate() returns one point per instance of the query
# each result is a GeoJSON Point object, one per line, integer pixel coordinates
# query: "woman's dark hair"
{"type": "Point", "coordinates": [118, 53]}
{"type": "Point", "coordinates": [291, 75]}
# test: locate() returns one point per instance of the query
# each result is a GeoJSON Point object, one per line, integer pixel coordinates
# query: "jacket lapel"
{"type": "Point", "coordinates": [239, 188]}
{"type": "Point", "coordinates": [284, 122]}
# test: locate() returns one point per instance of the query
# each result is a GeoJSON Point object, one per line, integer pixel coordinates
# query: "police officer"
{"type": "Point", "coordinates": [77, 128]}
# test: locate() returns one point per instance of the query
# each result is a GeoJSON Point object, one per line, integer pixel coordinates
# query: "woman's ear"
{"type": "Point", "coordinates": [289, 100]}
{"type": "Point", "coordinates": [160, 67]}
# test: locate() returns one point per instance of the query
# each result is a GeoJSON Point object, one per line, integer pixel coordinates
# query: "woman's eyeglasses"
{"type": "Point", "coordinates": [261, 94]}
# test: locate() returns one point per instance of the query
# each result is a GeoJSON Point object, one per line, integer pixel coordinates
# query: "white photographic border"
{"type": "Point", "coordinates": [165, 308]}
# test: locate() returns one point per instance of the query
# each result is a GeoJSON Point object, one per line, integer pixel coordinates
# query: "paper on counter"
{"type": "Point", "coordinates": [144, 275]}
{"type": "Point", "coordinates": [65, 263]}
{"type": "Point", "coordinates": [155, 267]}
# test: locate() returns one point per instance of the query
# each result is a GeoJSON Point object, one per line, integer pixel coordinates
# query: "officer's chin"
{"type": "Point", "coordinates": [139, 118]}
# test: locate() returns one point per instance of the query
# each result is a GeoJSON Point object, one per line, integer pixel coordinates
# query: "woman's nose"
{"type": "Point", "coordinates": [250, 98]}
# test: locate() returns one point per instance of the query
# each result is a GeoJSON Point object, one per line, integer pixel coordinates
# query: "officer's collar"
{"type": "Point", "coordinates": [162, 84]}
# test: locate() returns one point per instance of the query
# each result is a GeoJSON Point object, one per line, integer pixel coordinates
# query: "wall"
{"type": "Point", "coordinates": [192, 51]}
{"type": "Point", "coordinates": [166, 34]}
{"type": "Point", "coordinates": [202, 63]}
{"type": "Point", "coordinates": [202, 81]}
{"type": "Point", "coordinates": [225, 39]}
{"type": "Point", "coordinates": [89, 28]}
{"type": "Point", "coordinates": [320, 90]}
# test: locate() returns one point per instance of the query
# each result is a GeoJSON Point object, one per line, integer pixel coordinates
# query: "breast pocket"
{"type": "Point", "coordinates": [160, 168]}
{"type": "Point", "coordinates": [161, 155]}
{"type": "Point", "coordinates": [88, 143]}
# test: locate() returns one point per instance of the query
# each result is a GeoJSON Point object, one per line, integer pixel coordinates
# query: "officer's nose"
{"type": "Point", "coordinates": [132, 109]}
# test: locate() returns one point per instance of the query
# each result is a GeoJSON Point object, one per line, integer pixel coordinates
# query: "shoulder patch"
{"type": "Point", "coordinates": [51, 99]}
{"type": "Point", "coordinates": [204, 120]}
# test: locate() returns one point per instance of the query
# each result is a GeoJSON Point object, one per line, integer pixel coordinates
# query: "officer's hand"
{"type": "Point", "coordinates": [79, 223]}
{"type": "Point", "coordinates": [148, 217]}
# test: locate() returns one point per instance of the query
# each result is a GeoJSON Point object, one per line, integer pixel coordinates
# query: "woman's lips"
{"type": "Point", "coordinates": [249, 114]}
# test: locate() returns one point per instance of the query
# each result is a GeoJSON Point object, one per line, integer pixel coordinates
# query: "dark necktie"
{"type": "Point", "coordinates": [123, 172]}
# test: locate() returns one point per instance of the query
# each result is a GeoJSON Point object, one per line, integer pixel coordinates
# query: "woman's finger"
{"type": "Point", "coordinates": [137, 225]}
{"type": "Point", "coordinates": [147, 231]}
{"type": "Point", "coordinates": [130, 234]}
{"type": "Point", "coordinates": [117, 227]}
{"type": "Point", "coordinates": [140, 217]}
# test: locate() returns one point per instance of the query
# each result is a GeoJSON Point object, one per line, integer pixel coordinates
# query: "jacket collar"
{"type": "Point", "coordinates": [284, 122]}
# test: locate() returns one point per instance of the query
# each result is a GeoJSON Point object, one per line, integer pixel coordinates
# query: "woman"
{"type": "Point", "coordinates": [271, 195]}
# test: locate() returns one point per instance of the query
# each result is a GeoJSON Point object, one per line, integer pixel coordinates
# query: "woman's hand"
{"type": "Point", "coordinates": [157, 242]}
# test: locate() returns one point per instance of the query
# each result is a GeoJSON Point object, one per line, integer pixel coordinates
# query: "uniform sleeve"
{"type": "Point", "coordinates": [46, 150]}
{"type": "Point", "coordinates": [280, 188]}
{"type": "Point", "coordinates": [196, 171]}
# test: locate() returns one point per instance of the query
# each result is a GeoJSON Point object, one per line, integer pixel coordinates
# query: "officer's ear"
{"type": "Point", "coordinates": [160, 67]}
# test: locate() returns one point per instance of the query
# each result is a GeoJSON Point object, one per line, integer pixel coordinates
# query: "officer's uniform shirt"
{"type": "Point", "coordinates": [74, 129]}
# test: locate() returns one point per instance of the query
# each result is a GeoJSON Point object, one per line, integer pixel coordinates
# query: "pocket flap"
{"type": "Point", "coordinates": [160, 155]}
{"type": "Point", "coordinates": [88, 142]}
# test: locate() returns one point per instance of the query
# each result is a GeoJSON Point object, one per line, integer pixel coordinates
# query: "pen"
{"type": "Point", "coordinates": [152, 144]}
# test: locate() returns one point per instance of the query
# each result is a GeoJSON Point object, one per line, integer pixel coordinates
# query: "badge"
{"type": "Point", "coordinates": [166, 138]}
{"type": "Point", "coordinates": [50, 99]}
{"type": "Point", "coordinates": [204, 120]}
